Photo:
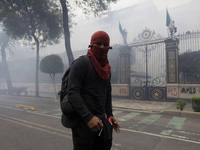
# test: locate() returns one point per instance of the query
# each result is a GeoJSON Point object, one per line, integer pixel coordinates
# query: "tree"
{"type": "Point", "coordinates": [1, 71]}
{"type": "Point", "coordinates": [189, 65]}
{"type": "Point", "coordinates": [37, 22]}
{"type": "Point", "coordinates": [96, 7]}
{"type": "Point", "coordinates": [51, 65]}
{"type": "Point", "coordinates": [4, 42]}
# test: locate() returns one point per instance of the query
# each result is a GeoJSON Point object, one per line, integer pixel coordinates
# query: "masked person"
{"type": "Point", "coordinates": [89, 92]}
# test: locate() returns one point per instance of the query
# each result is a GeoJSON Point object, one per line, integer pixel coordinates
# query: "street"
{"type": "Point", "coordinates": [34, 124]}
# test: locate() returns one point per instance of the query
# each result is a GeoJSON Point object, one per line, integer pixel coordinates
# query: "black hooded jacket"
{"type": "Point", "coordinates": [89, 94]}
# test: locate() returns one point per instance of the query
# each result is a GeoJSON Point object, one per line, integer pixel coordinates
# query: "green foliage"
{"type": "Point", "coordinates": [189, 64]}
{"type": "Point", "coordinates": [195, 103]}
{"type": "Point", "coordinates": [30, 20]}
{"type": "Point", "coordinates": [96, 7]}
{"type": "Point", "coordinates": [181, 104]}
{"type": "Point", "coordinates": [38, 22]}
{"type": "Point", "coordinates": [19, 90]}
{"type": "Point", "coordinates": [51, 64]}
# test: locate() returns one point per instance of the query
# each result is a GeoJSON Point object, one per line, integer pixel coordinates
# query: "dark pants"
{"type": "Point", "coordinates": [85, 139]}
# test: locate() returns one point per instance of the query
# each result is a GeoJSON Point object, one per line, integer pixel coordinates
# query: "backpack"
{"type": "Point", "coordinates": [69, 116]}
{"type": "Point", "coordinates": [64, 84]}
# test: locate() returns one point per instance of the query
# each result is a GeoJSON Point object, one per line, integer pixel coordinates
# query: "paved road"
{"type": "Point", "coordinates": [23, 127]}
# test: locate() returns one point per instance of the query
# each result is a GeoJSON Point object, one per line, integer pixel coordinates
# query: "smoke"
{"type": "Point", "coordinates": [134, 16]}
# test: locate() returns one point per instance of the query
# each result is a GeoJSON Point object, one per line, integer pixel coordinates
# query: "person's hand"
{"type": "Point", "coordinates": [95, 124]}
{"type": "Point", "coordinates": [116, 126]}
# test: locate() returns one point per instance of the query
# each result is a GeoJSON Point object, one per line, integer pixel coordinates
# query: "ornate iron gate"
{"type": "Point", "coordinates": [147, 67]}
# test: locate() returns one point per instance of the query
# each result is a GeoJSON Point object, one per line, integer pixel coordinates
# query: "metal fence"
{"type": "Point", "coordinates": [189, 53]}
{"type": "Point", "coordinates": [189, 42]}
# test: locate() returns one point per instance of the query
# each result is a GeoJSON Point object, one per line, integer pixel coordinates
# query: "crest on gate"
{"type": "Point", "coordinates": [147, 36]}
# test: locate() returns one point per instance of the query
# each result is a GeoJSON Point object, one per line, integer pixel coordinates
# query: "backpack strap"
{"type": "Point", "coordinates": [89, 65]}
{"type": "Point", "coordinates": [67, 71]}
{"type": "Point", "coordinates": [65, 78]}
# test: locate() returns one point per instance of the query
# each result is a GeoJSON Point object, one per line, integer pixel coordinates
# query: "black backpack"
{"type": "Point", "coordinates": [64, 83]}
{"type": "Point", "coordinates": [69, 116]}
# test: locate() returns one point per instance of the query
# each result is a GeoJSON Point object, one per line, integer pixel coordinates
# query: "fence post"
{"type": "Point", "coordinates": [124, 77]}
{"type": "Point", "coordinates": [172, 75]}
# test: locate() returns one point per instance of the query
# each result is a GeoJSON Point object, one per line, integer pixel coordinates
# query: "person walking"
{"type": "Point", "coordinates": [89, 92]}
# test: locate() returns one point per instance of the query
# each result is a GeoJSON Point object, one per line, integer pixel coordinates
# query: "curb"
{"type": "Point", "coordinates": [140, 110]}
{"type": "Point", "coordinates": [188, 114]}
{"type": "Point", "coordinates": [49, 99]}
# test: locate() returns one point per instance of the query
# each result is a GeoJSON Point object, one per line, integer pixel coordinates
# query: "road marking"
{"type": "Point", "coordinates": [47, 111]}
{"type": "Point", "coordinates": [145, 122]}
{"type": "Point", "coordinates": [24, 107]}
{"type": "Point", "coordinates": [117, 112]}
{"type": "Point", "coordinates": [189, 133]}
{"type": "Point", "coordinates": [158, 135]}
{"type": "Point", "coordinates": [166, 132]}
{"type": "Point", "coordinates": [57, 114]}
{"type": "Point", "coordinates": [53, 111]}
{"type": "Point", "coordinates": [43, 111]}
{"type": "Point", "coordinates": [176, 123]}
{"type": "Point", "coordinates": [128, 116]}
{"type": "Point", "coordinates": [57, 110]}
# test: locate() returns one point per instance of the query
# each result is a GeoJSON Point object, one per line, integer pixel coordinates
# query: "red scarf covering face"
{"type": "Point", "coordinates": [98, 55]}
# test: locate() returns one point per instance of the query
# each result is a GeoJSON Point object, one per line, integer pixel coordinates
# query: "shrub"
{"type": "Point", "coordinates": [181, 104]}
{"type": "Point", "coordinates": [18, 90]}
{"type": "Point", "coordinates": [195, 104]}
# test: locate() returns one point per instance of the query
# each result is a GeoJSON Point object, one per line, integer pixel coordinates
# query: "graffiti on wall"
{"type": "Point", "coordinates": [190, 90]}
{"type": "Point", "coordinates": [122, 91]}
{"type": "Point", "coordinates": [172, 91]}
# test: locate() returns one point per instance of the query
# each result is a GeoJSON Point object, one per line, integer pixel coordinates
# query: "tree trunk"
{"type": "Point", "coordinates": [66, 31]}
{"type": "Point", "coordinates": [53, 80]}
{"type": "Point", "coordinates": [37, 67]}
{"type": "Point", "coordinates": [5, 66]}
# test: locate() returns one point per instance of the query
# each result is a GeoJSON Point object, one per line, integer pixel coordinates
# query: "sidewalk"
{"type": "Point", "coordinates": [165, 107]}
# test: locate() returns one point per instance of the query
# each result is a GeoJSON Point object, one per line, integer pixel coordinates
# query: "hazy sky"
{"type": "Point", "coordinates": [160, 4]}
